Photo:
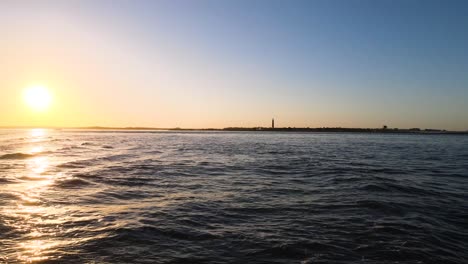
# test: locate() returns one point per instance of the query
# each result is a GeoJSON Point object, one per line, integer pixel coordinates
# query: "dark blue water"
{"type": "Point", "coordinates": [114, 197]}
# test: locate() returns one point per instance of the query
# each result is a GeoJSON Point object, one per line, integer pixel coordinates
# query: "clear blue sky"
{"type": "Point", "coordinates": [238, 63]}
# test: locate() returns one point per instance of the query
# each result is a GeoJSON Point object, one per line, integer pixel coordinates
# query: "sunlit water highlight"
{"type": "Point", "coordinates": [195, 197]}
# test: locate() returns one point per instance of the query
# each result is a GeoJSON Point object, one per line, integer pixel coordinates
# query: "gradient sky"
{"type": "Point", "coordinates": [349, 63]}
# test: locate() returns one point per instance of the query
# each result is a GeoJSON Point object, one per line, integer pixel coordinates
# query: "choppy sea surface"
{"type": "Point", "coordinates": [219, 197]}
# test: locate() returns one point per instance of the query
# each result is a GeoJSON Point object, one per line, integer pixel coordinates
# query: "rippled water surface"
{"type": "Point", "coordinates": [196, 197]}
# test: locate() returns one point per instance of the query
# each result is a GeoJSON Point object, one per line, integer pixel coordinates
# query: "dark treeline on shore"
{"type": "Point", "coordinates": [319, 129]}
{"type": "Point", "coordinates": [265, 129]}
{"type": "Point", "coordinates": [341, 129]}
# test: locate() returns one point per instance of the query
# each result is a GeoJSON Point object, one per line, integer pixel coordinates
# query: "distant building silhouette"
{"type": "Point", "coordinates": [272, 123]}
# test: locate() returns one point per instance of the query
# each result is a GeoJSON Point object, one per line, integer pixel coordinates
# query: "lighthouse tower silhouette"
{"type": "Point", "coordinates": [273, 123]}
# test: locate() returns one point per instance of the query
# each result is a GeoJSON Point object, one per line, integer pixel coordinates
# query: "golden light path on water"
{"type": "Point", "coordinates": [42, 216]}
{"type": "Point", "coordinates": [30, 213]}
{"type": "Point", "coordinates": [31, 216]}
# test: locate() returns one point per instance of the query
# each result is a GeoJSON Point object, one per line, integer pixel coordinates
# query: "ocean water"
{"type": "Point", "coordinates": [216, 197]}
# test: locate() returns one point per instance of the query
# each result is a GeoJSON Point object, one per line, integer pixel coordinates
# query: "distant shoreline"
{"type": "Point", "coordinates": [264, 129]}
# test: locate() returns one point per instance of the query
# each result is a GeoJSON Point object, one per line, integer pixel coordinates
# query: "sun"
{"type": "Point", "coordinates": [37, 97]}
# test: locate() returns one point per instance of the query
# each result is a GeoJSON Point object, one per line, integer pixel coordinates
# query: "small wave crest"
{"type": "Point", "coordinates": [3, 180]}
{"type": "Point", "coordinates": [72, 183]}
{"type": "Point", "coordinates": [13, 156]}
{"type": "Point", "coordinates": [169, 233]}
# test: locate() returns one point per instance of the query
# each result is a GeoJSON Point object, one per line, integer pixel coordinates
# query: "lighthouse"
{"type": "Point", "coordinates": [273, 123]}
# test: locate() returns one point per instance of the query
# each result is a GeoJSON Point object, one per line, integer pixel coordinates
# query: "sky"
{"type": "Point", "coordinates": [214, 64]}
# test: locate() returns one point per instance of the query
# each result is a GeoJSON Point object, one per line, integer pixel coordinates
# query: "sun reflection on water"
{"type": "Point", "coordinates": [30, 214]}
{"type": "Point", "coordinates": [38, 166]}
{"type": "Point", "coordinates": [37, 149]}
{"type": "Point", "coordinates": [38, 133]}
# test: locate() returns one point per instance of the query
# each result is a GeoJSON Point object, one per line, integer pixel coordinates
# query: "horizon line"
{"type": "Point", "coordinates": [225, 128]}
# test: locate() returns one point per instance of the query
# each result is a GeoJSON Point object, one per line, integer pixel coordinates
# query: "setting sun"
{"type": "Point", "coordinates": [37, 98]}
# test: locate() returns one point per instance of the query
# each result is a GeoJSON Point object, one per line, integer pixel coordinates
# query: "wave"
{"type": "Point", "coordinates": [8, 196]}
{"type": "Point", "coordinates": [21, 156]}
{"type": "Point", "coordinates": [60, 139]}
{"type": "Point", "coordinates": [72, 183]}
{"type": "Point", "coordinates": [88, 144]}
{"type": "Point", "coordinates": [3, 180]}
{"type": "Point", "coordinates": [112, 195]}
{"type": "Point", "coordinates": [302, 250]}
{"type": "Point", "coordinates": [17, 156]}
{"type": "Point", "coordinates": [76, 164]}
{"type": "Point", "coordinates": [32, 178]}
{"type": "Point", "coordinates": [69, 148]}
{"type": "Point", "coordinates": [156, 232]}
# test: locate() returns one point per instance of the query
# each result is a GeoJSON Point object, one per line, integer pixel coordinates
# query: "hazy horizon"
{"type": "Point", "coordinates": [216, 64]}
{"type": "Point", "coordinates": [278, 128]}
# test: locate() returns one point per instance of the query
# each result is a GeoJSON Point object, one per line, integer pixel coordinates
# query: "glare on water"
{"type": "Point", "coordinates": [38, 222]}
{"type": "Point", "coordinates": [29, 212]}
{"type": "Point", "coordinates": [37, 134]}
